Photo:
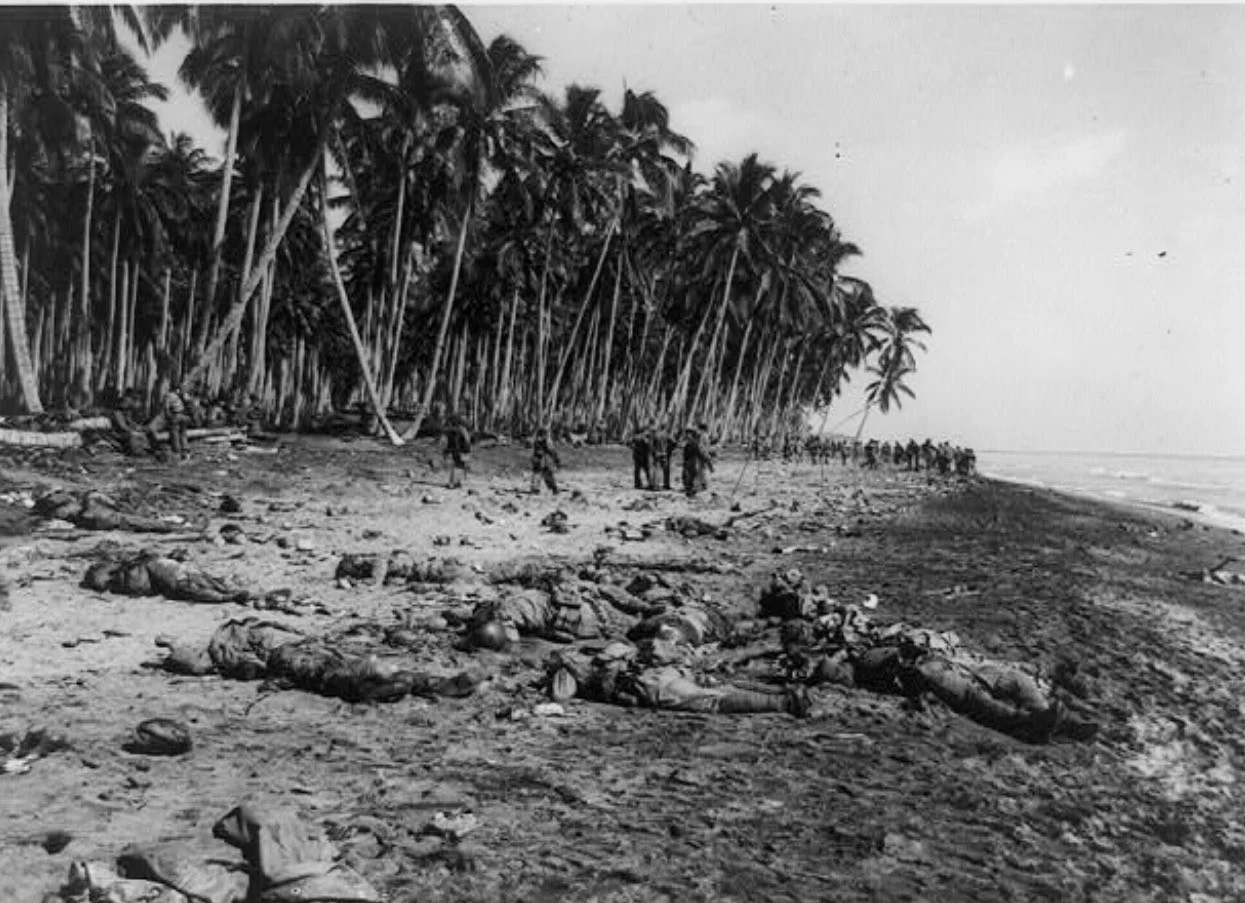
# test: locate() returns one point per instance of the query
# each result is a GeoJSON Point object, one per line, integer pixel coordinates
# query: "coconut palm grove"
{"type": "Point", "coordinates": [403, 220]}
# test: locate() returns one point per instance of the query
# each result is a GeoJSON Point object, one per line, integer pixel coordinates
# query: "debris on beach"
{"type": "Point", "coordinates": [283, 860]}
{"type": "Point", "coordinates": [160, 737]}
{"type": "Point", "coordinates": [21, 751]}
{"type": "Point", "coordinates": [556, 522]}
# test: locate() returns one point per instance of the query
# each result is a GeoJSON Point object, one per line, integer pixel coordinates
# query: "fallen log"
{"type": "Point", "coordinates": [30, 439]}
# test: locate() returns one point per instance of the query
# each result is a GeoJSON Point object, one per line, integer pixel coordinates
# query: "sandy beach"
{"type": "Point", "coordinates": [869, 799]}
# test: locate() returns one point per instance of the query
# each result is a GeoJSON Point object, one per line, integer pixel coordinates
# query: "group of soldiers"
{"type": "Point", "coordinates": [944, 458]}
{"type": "Point", "coordinates": [652, 449]}
{"type": "Point", "coordinates": [177, 411]}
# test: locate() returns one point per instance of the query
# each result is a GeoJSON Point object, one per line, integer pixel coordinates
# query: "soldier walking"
{"type": "Point", "coordinates": [457, 449]}
{"type": "Point", "coordinates": [544, 460]}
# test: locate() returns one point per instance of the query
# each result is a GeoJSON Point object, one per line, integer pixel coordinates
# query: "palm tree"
{"type": "Point", "coordinates": [331, 61]}
{"type": "Point", "coordinates": [492, 137]}
{"type": "Point", "coordinates": [732, 219]}
{"type": "Point", "coordinates": [896, 361]}
{"type": "Point", "coordinates": [37, 46]}
{"type": "Point", "coordinates": [584, 165]}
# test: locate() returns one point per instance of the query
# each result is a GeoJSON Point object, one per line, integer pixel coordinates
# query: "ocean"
{"type": "Point", "coordinates": [1208, 489]}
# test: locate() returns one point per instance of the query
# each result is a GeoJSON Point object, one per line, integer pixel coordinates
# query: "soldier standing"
{"type": "Point", "coordinates": [695, 464]}
{"type": "Point", "coordinates": [544, 460]}
{"type": "Point", "coordinates": [663, 451]}
{"type": "Point", "coordinates": [457, 448]}
{"type": "Point", "coordinates": [642, 457]}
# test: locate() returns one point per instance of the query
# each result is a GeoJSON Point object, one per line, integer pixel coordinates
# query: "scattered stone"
{"type": "Point", "coordinates": [230, 505]}
{"type": "Point", "coordinates": [232, 534]}
{"type": "Point", "coordinates": [305, 544]}
{"type": "Point", "coordinates": [556, 522]}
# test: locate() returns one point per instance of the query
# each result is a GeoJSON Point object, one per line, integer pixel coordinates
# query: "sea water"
{"type": "Point", "coordinates": [1209, 489]}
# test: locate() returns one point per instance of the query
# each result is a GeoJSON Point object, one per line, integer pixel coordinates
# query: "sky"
{"type": "Point", "coordinates": [1060, 190]}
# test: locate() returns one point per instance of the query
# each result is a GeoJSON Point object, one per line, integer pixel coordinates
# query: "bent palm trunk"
{"type": "Point", "coordinates": [431, 385]}
{"type": "Point", "coordinates": [14, 308]}
{"type": "Point", "coordinates": [348, 314]}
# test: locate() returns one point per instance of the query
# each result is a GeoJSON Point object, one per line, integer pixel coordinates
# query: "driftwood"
{"type": "Point", "coordinates": [30, 438]}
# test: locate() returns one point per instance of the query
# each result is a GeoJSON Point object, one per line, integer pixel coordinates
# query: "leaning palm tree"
{"type": "Point", "coordinates": [337, 50]}
{"type": "Point", "coordinates": [36, 46]}
{"type": "Point", "coordinates": [895, 363]}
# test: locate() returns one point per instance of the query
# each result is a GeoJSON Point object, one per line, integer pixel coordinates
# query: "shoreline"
{"type": "Point", "coordinates": [1216, 519]}
{"type": "Point", "coordinates": [866, 799]}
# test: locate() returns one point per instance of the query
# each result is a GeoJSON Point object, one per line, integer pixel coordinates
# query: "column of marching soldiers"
{"type": "Point", "coordinates": [653, 447]}
{"type": "Point", "coordinates": [944, 458]}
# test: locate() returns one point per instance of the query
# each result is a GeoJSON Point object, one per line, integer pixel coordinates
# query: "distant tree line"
{"type": "Point", "coordinates": [402, 218]}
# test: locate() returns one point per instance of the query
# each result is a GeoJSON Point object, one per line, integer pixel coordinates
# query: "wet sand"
{"type": "Point", "coordinates": [867, 800]}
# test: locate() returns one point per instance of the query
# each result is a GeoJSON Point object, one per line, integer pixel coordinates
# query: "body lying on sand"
{"type": "Point", "coordinates": [679, 654]}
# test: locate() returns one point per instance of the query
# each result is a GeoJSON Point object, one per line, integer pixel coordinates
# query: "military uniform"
{"type": "Point", "coordinates": [642, 458]}
{"type": "Point", "coordinates": [695, 465]}
{"type": "Point", "coordinates": [544, 460]}
{"type": "Point", "coordinates": [457, 448]}
{"type": "Point", "coordinates": [663, 451]}
{"type": "Point", "coordinates": [172, 417]}
{"type": "Point", "coordinates": [124, 420]}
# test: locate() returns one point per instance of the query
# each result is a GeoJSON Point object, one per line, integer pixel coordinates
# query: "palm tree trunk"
{"type": "Point", "coordinates": [782, 374]}
{"type": "Point", "coordinates": [759, 382]}
{"type": "Point", "coordinates": [459, 372]}
{"type": "Point", "coordinates": [686, 376]}
{"type": "Point", "coordinates": [540, 326]}
{"type": "Point", "coordinates": [491, 385]}
{"type": "Point", "coordinates": [397, 223]}
{"type": "Point", "coordinates": [84, 311]}
{"type": "Point", "coordinates": [106, 363]}
{"type": "Point", "coordinates": [348, 314]}
{"type": "Point", "coordinates": [583, 308]}
{"type": "Point", "coordinates": [188, 320]}
{"type": "Point", "coordinates": [609, 343]}
{"type": "Point", "coordinates": [785, 407]}
{"type": "Point", "coordinates": [222, 207]}
{"type": "Point", "coordinates": [395, 337]}
{"type": "Point", "coordinates": [502, 390]}
{"type": "Point", "coordinates": [273, 242]}
{"type": "Point", "coordinates": [860, 429]}
{"type": "Point", "coordinates": [447, 310]}
{"type": "Point", "coordinates": [116, 329]}
{"type": "Point", "coordinates": [14, 308]}
{"type": "Point", "coordinates": [739, 366]}
{"type": "Point", "coordinates": [164, 310]}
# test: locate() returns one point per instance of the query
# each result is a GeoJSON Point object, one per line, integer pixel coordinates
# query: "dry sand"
{"type": "Point", "coordinates": [867, 800]}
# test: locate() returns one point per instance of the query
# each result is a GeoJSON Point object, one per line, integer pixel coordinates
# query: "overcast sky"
{"type": "Point", "coordinates": [1060, 190]}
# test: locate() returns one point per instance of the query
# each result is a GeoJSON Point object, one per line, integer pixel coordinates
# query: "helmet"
{"type": "Point", "coordinates": [489, 635]}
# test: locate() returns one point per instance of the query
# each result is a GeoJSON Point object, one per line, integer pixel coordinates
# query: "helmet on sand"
{"type": "Point", "coordinates": [489, 635]}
